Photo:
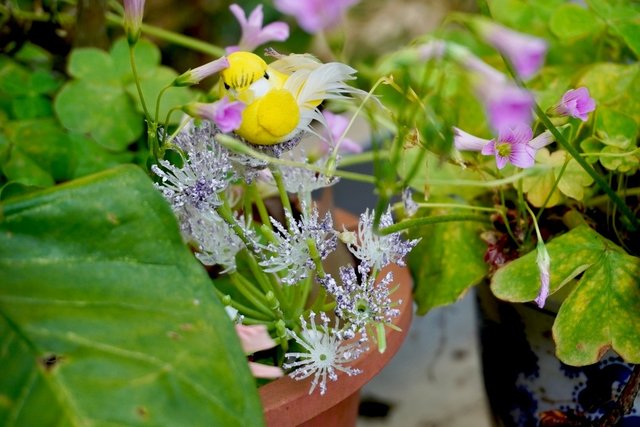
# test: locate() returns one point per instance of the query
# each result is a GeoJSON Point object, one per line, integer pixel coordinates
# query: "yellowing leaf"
{"type": "Point", "coordinates": [571, 183]}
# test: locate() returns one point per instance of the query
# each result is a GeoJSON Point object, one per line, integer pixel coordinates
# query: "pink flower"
{"type": "Point", "coordinates": [195, 76]}
{"type": "Point", "coordinates": [253, 33]}
{"type": "Point", "coordinates": [526, 53]}
{"type": "Point", "coordinates": [575, 103]}
{"type": "Point", "coordinates": [506, 105]}
{"type": "Point", "coordinates": [543, 260]}
{"type": "Point", "coordinates": [314, 16]}
{"type": "Point", "coordinates": [255, 338]}
{"type": "Point", "coordinates": [133, 10]}
{"type": "Point", "coordinates": [514, 145]}
{"type": "Point", "coordinates": [226, 115]}
{"type": "Point", "coordinates": [464, 141]}
{"type": "Point", "coordinates": [336, 125]}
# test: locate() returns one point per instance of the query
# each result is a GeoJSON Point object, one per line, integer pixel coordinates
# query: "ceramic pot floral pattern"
{"type": "Point", "coordinates": [526, 383]}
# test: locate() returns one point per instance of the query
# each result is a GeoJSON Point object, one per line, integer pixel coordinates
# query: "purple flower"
{"type": "Point", "coordinates": [192, 77]}
{"type": "Point", "coordinates": [506, 105]}
{"type": "Point", "coordinates": [575, 103]}
{"type": "Point", "coordinates": [133, 10]}
{"type": "Point", "coordinates": [336, 125]}
{"type": "Point", "coordinates": [526, 53]}
{"type": "Point", "coordinates": [253, 33]}
{"type": "Point", "coordinates": [226, 115]}
{"type": "Point", "coordinates": [314, 16]}
{"type": "Point", "coordinates": [544, 265]}
{"type": "Point", "coordinates": [464, 141]}
{"type": "Point", "coordinates": [512, 146]}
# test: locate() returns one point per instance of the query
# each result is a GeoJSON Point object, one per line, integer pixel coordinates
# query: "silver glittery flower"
{"type": "Point", "coordinates": [205, 173]}
{"type": "Point", "coordinates": [289, 253]}
{"type": "Point", "coordinates": [217, 243]}
{"type": "Point", "coordinates": [376, 250]}
{"type": "Point", "coordinates": [362, 303]}
{"type": "Point", "coordinates": [325, 353]}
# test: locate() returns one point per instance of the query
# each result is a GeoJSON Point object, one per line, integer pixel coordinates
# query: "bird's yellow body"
{"type": "Point", "coordinates": [272, 112]}
{"type": "Point", "coordinates": [281, 98]}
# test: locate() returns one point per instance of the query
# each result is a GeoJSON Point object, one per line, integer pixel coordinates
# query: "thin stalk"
{"type": "Point", "coordinates": [418, 222]}
{"type": "Point", "coordinates": [169, 36]}
{"type": "Point", "coordinates": [244, 309]}
{"type": "Point", "coordinates": [284, 197]}
{"type": "Point", "coordinates": [164, 89]}
{"type": "Point", "coordinates": [599, 180]}
{"type": "Point", "coordinates": [239, 147]}
{"type": "Point", "coordinates": [248, 290]}
{"type": "Point", "coordinates": [136, 79]}
{"type": "Point", "coordinates": [365, 157]}
{"type": "Point", "coordinates": [604, 198]}
{"type": "Point", "coordinates": [262, 209]}
{"type": "Point", "coordinates": [452, 206]}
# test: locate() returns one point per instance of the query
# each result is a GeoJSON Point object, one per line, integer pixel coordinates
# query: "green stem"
{"type": "Point", "coordinates": [605, 198]}
{"type": "Point", "coordinates": [365, 157]}
{"type": "Point", "coordinates": [164, 89]}
{"type": "Point", "coordinates": [262, 208]}
{"type": "Point", "coordinates": [284, 197]}
{"type": "Point", "coordinates": [243, 308]}
{"type": "Point", "coordinates": [134, 71]}
{"type": "Point", "coordinates": [599, 180]}
{"type": "Point", "coordinates": [418, 222]}
{"type": "Point", "coordinates": [169, 36]}
{"type": "Point", "coordinates": [248, 290]}
{"type": "Point", "coordinates": [452, 206]}
{"type": "Point", "coordinates": [239, 147]}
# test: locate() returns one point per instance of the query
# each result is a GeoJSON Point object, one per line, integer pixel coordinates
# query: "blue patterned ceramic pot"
{"type": "Point", "coordinates": [528, 386]}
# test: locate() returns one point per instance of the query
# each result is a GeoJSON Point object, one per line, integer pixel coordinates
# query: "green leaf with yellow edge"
{"type": "Point", "coordinates": [615, 128]}
{"type": "Point", "coordinates": [106, 318]}
{"type": "Point", "coordinates": [616, 159]}
{"type": "Point", "coordinates": [572, 182]}
{"type": "Point", "coordinates": [614, 85]}
{"type": "Point", "coordinates": [446, 262]}
{"type": "Point", "coordinates": [602, 311]}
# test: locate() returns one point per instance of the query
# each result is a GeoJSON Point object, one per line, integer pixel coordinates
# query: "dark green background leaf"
{"type": "Point", "coordinates": [106, 318]}
{"type": "Point", "coordinates": [447, 261]}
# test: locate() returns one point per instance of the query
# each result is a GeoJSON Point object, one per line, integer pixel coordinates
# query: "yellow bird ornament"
{"type": "Point", "coordinates": [282, 97]}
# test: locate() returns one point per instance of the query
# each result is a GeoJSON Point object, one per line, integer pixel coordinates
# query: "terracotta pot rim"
{"type": "Point", "coordinates": [287, 402]}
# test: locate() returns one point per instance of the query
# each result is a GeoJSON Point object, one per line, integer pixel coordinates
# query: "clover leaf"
{"type": "Point", "coordinates": [601, 312]}
{"type": "Point", "coordinates": [571, 184]}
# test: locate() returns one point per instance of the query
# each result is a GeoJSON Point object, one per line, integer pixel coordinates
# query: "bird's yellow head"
{"type": "Point", "coordinates": [244, 69]}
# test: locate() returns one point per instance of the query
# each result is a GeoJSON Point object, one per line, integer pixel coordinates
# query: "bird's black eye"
{"type": "Point", "coordinates": [226, 86]}
{"type": "Point", "coordinates": [266, 76]}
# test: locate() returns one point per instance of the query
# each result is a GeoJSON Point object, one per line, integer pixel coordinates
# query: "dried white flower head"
{"type": "Point", "coordinates": [375, 250]}
{"type": "Point", "coordinates": [326, 353]}
{"type": "Point", "coordinates": [361, 304]}
{"type": "Point", "coordinates": [205, 173]}
{"type": "Point", "coordinates": [410, 205]}
{"type": "Point", "coordinates": [304, 181]}
{"type": "Point", "coordinates": [217, 243]}
{"type": "Point", "coordinates": [290, 254]}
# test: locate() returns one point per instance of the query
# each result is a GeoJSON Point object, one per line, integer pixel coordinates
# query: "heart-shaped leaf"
{"type": "Point", "coordinates": [601, 312]}
{"type": "Point", "coordinates": [106, 318]}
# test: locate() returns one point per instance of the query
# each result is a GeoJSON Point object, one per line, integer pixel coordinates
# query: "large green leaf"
{"type": "Point", "coordinates": [601, 312]}
{"type": "Point", "coordinates": [107, 319]}
{"type": "Point", "coordinates": [447, 261]}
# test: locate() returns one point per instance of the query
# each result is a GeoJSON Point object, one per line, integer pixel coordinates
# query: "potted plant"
{"type": "Point", "coordinates": [133, 293]}
{"type": "Point", "coordinates": [520, 141]}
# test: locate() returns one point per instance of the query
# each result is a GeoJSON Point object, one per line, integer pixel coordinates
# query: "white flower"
{"type": "Point", "coordinates": [325, 353]}
{"type": "Point", "coordinates": [361, 303]}
{"type": "Point", "coordinates": [206, 171]}
{"type": "Point", "coordinates": [290, 251]}
{"type": "Point", "coordinates": [217, 243]}
{"type": "Point", "coordinates": [375, 250]}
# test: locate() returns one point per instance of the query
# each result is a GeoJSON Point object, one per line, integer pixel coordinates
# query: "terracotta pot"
{"type": "Point", "coordinates": [287, 402]}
